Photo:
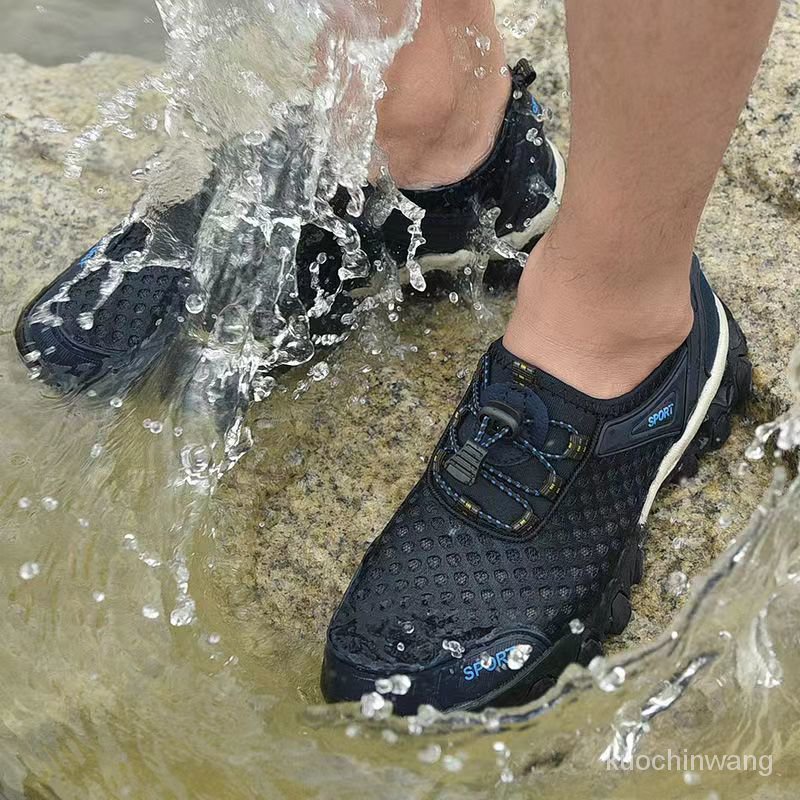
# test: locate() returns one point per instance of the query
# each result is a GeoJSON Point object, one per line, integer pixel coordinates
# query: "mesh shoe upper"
{"type": "Point", "coordinates": [530, 506]}
{"type": "Point", "coordinates": [74, 352]}
{"type": "Point", "coordinates": [454, 574]}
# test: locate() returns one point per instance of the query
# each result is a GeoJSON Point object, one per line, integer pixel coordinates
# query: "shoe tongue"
{"type": "Point", "coordinates": [525, 401]}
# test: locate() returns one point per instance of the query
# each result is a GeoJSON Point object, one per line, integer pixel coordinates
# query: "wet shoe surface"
{"type": "Point", "coordinates": [110, 315]}
{"type": "Point", "coordinates": [515, 553]}
{"type": "Point", "coordinates": [108, 312]}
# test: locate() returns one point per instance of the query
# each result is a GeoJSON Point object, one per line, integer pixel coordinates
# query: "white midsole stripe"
{"type": "Point", "coordinates": [698, 415]}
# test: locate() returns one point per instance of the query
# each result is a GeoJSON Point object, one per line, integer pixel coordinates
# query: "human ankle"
{"type": "Point", "coordinates": [591, 328]}
{"type": "Point", "coordinates": [603, 369]}
{"type": "Point", "coordinates": [447, 139]}
{"type": "Point", "coordinates": [446, 97]}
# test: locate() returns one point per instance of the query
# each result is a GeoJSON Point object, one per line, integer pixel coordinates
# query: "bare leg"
{"type": "Point", "coordinates": [657, 86]}
{"type": "Point", "coordinates": [447, 93]}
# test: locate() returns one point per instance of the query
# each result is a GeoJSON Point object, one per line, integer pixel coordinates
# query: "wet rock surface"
{"type": "Point", "coordinates": [334, 458]}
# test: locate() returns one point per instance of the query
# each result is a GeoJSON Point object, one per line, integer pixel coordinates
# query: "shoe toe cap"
{"type": "Point", "coordinates": [498, 669]}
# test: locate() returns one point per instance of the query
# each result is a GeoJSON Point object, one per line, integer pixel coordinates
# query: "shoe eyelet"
{"type": "Point", "coordinates": [577, 446]}
{"type": "Point", "coordinates": [552, 486]}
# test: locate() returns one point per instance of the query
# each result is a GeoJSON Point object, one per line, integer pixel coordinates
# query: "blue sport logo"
{"type": "Point", "coordinates": [662, 416]}
{"type": "Point", "coordinates": [495, 662]}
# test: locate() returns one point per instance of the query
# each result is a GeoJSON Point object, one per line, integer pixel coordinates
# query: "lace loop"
{"type": "Point", "coordinates": [498, 421]}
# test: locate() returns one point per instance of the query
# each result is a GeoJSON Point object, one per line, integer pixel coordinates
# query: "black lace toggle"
{"type": "Point", "coordinates": [466, 463]}
{"type": "Point", "coordinates": [503, 415]}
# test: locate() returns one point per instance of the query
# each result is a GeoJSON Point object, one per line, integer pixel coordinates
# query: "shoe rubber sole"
{"type": "Point", "coordinates": [729, 387]}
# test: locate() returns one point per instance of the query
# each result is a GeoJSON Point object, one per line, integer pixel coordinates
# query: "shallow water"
{"type": "Point", "coordinates": [136, 663]}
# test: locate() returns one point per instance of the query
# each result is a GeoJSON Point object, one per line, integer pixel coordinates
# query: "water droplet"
{"type": "Point", "coordinates": [754, 452]}
{"type": "Point", "coordinates": [677, 583]}
{"type": "Point", "coordinates": [383, 686]}
{"type": "Point", "coordinates": [483, 43]}
{"type": "Point", "coordinates": [49, 503]}
{"type": "Point", "coordinates": [576, 626]}
{"type": "Point", "coordinates": [680, 543]}
{"type": "Point", "coordinates": [214, 638]}
{"type": "Point", "coordinates": [98, 597]}
{"type": "Point", "coordinates": [195, 304]}
{"type": "Point", "coordinates": [150, 612]}
{"type": "Point", "coordinates": [319, 371]}
{"type": "Point", "coordinates": [96, 451]}
{"type": "Point", "coordinates": [453, 297]}
{"type": "Point", "coordinates": [29, 570]}
{"type": "Point", "coordinates": [519, 655]}
{"type": "Point", "coordinates": [24, 502]}
{"type": "Point", "coordinates": [456, 649]}
{"type": "Point", "coordinates": [183, 614]}
{"type": "Point", "coordinates": [254, 138]}
{"type": "Point", "coordinates": [491, 720]}
{"type": "Point", "coordinates": [400, 647]}
{"type": "Point", "coordinates": [607, 680]}
{"type": "Point", "coordinates": [400, 684]}
{"type": "Point", "coordinates": [115, 402]}
{"type": "Point", "coordinates": [375, 706]}
{"type": "Point", "coordinates": [431, 754]}
{"type": "Point", "coordinates": [480, 73]}
{"type": "Point", "coordinates": [452, 763]}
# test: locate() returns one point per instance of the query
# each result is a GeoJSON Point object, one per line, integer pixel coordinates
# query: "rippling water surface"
{"type": "Point", "coordinates": [131, 665]}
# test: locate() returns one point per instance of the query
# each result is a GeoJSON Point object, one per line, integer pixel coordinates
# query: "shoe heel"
{"type": "Point", "coordinates": [730, 399]}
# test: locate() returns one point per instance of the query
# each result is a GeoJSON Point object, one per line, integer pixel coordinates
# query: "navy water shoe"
{"type": "Point", "coordinates": [515, 553]}
{"type": "Point", "coordinates": [102, 321]}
